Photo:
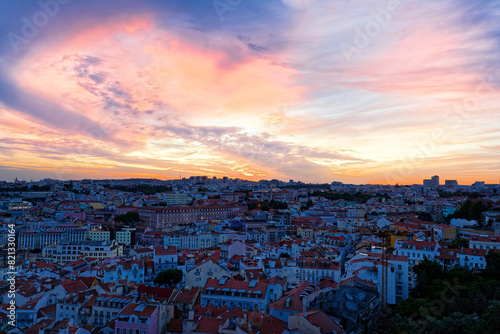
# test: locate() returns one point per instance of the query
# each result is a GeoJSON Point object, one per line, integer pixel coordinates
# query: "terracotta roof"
{"type": "Point", "coordinates": [186, 295]}
{"type": "Point", "coordinates": [327, 283]}
{"type": "Point", "coordinates": [163, 293]}
{"type": "Point", "coordinates": [72, 286]}
{"type": "Point", "coordinates": [473, 252]}
{"type": "Point", "coordinates": [147, 311]}
{"type": "Point", "coordinates": [176, 326]}
{"type": "Point", "coordinates": [207, 325]}
{"type": "Point", "coordinates": [160, 250]}
{"type": "Point", "coordinates": [321, 320]}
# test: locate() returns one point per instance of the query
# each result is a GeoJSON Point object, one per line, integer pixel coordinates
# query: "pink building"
{"type": "Point", "coordinates": [137, 318]}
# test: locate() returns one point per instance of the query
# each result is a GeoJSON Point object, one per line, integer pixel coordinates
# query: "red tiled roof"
{"type": "Point", "coordinates": [146, 312]}
{"type": "Point", "coordinates": [321, 320]}
{"type": "Point", "coordinates": [73, 285]}
{"type": "Point", "coordinates": [186, 296]}
{"type": "Point", "coordinates": [207, 325]}
{"type": "Point", "coordinates": [160, 250]}
{"type": "Point", "coordinates": [163, 293]}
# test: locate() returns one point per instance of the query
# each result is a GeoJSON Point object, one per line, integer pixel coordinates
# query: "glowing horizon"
{"type": "Point", "coordinates": [365, 92]}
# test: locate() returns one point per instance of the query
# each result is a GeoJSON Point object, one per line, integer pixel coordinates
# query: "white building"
{"type": "Point", "coordinates": [472, 258]}
{"type": "Point", "coordinates": [199, 275]}
{"type": "Point", "coordinates": [416, 251]}
{"type": "Point", "coordinates": [484, 242]}
{"type": "Point", "coordinates": [67, 252]}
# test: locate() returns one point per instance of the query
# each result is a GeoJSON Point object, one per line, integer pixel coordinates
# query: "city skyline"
{"type": "Point", "coordinates": [364, 93]}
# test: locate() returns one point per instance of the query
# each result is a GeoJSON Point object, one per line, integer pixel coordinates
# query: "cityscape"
{"type": "Point", "coordinates": [221, 255]}
{"type": "Point", "coordinates": [249, 167]}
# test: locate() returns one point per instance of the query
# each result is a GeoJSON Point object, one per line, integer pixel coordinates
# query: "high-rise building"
{"type": "Point", "coordinates": [435, 180]}
{"type": "Point", "coordinates": [450, 183]}
{"type": "Point", "coordinates": [432, 182]}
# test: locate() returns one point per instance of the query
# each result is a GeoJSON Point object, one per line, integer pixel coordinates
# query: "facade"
{"type": "Point", "coordinates": [99, 235]}
{"type": "Point", "coordinates": [199, 275]}
{"type": "Point", "coordinates": [175, 198]}
{"type": "Point", "coordinates": [123, 237]}
{"type": "Point", "coordinates": [107, 307]}
{"type": "Point", "coordinates": [138, 318]}
{"type": "Point", "coordinates": [472, 258]}
{"type": "Point", "coordinates": [313, 270]}
{"type": "Point", "coordinates": [416, 251]}
{"type": "Point", "coordinates": [314, 322]}
{"type": "Point", "coordinates": [159, 217]}
{"type": "Point", "coordinates": [165, 258]}
{"type": "Point", "coordinates": [367, 266]}
{"type": "Point", "coordinates": [231, 248]}
{"type": "Point", "coordinates": [67, 252]}
{"type": "Point", "coordinates": [131, 271]}
{"type": "Point", "coordinates": [249, 296]}
{"type": "Point", "coordinates": [484, 242]}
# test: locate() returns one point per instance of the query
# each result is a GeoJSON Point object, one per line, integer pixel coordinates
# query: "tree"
{"type": "Point", "coordinates": [492, 265]}
{"type": "Point", "coordinates": [286, 255]}
{"type": "Point", "coordinates": [128, 218]}
{"type": "Point", "coordinates": [459, 243]}
{"type": "Point", "coordinates": [471, 210]}
{"type": "Point", "coordinates": [168, 277]}
{"type": "Point", "coordinates": [427, 271]}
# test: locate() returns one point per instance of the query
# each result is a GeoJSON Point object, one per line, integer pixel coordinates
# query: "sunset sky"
{"type": "Point", "coordinates": [355, 91]}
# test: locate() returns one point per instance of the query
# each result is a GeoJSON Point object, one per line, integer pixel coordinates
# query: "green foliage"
{"type": "Point", "coordinates": [307, 205]}
{"type": "Point", "coordinates": [492, 265]}
{"type": "Point", "coordinates": [459, 243]}
{"type": "Point", "coordinates": [146, 189]}
{"type": "Point", "coordinates": [425, 216]}
{"type": "Point", "coordinates": [447, 194]}
{"type": "Point", "coordinates": [452, 301]}
{"type": "Point", "coordinates": [470, 210]}
{"type": "Point", "coordinates": [357, 197]}
{"type": "Point", "coordinates": [128, 218]}
{"type": "Point", "coordinates": [266, 205]}
{"type": "Point", "coordinates": [168, 277]}
{"type": "Point", "coordinates": [285, 255]}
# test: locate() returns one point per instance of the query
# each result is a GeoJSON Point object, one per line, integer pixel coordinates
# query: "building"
{"type": "Point", "coordinates": [99, 235]}
{"type": "Point", "coordinates": [368, 266]}
{"type": "Point", "coordinates": [124, 236]}
{"type": "Point", "coordinates": [106, 307]}
{"type": "Point", "coordinates": [199, 275]}
{"type": "Point", "coordinates": [159, 217]}
{"type": "Point", "coordinates": [484, 242]}
{"type": "Point", "coordinates": [472, 258]}
{"type": "Point", "coordinates": [416, 251]}
{"type": "Point", "coordinates": [67, 252]}
{"type": "Point", "coordinates": [138, 318]}
{"type": "Point", "coordinates": [249, 296]}
{"type": "Point", "coordinates": [292, 303]}
{"type": "Point", "coordinates": [314, 322]}
{"type": "Point", "coordinates": [171, 198]}
{"type": "Point", "coordinates": [130, 270]}
{"type": "Point", "coordinates": [452, 184]}
{"type": "Point", "coordinates": [313, 270]}
{"type": "Point", "coordinates": [231, 248]}
{"type": "Point", "coordinates": [432, 182]}
{"type": "Point", "coordinates": [165, 257]}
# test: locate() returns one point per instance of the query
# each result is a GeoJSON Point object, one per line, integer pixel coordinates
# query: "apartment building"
{"type": "Point", "coordinates": [416, 251]}
{"type": "Point", "coordinates": [159, 217]}
{"type": "Point", "coordinates": [251, 295]}
{"type": "Point", "coordinates": [165, 257]}
{"type": "Point", "coordinates": [138, 318]}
